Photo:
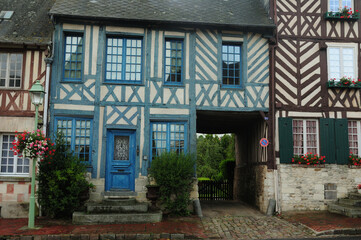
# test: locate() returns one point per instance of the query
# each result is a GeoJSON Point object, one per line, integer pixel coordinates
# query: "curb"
{"type": "Point", "coordinates": [107, 236]}
{"type": "Point", "coordinates": [344, 231]}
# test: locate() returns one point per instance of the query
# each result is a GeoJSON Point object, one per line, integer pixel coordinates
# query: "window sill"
{"type": "Point", "coordinates": [340, 85]}
{"type": "Point", "coordinates": [337, 16]}
{"type": "Point", "coordinates": [14, 179]}
{"type": "Point", "coordinates": [173, 84]}
{"type": "Point", "coordinates": [308, 166]}
{"type": "Point", "coordinates": [74, 82]}
{"type": "Point", "coordinates": [228, 87]}
{"type": "Point", "coordinates": [123, 83]}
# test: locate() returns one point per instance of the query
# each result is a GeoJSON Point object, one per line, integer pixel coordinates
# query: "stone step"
{"type": "Point", "coordinates": [114, 218]}
{"type": "Point", "coordinates": [104, 207]}
{"type": "Point", "coordinates": [119, 202]}
{"type": "Point", "coordinates": [349, 211]}
{"type": "Point", "coordinates": [354, 196]}
{"type": "Point", "coordinates": [350, 202]}
{"type": "Point", "coordinates": [119, 194]}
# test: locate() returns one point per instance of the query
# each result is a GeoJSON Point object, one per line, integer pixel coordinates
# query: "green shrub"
{"type": "Point", "coordinates": [174, 173]}
{"type": "Point", "coordinates": [63, 187]}
{"type": "Point", "coordinates": [227, 169]}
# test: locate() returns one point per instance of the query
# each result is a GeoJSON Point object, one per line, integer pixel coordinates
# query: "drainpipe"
{"type": "Point", "coordinates": [48, 62]}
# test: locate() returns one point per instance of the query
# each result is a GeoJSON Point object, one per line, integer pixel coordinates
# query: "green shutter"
{"type": "Point", "coordinates": [286, 139]}
{"type": "Point", "coordinates": [341, 136]}
{"type": "Point", "coordinates": [327, 139]}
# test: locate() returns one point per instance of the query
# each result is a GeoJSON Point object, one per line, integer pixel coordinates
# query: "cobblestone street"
{"type": "Point", "coordinates": [252, 227]}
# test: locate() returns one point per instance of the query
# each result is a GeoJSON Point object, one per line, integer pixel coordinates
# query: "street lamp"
{"type": "Point", "coordinates": [37, 96]}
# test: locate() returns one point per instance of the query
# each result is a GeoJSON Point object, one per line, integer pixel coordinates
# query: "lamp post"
{"type": "Point", "coordinates": [37, 96]}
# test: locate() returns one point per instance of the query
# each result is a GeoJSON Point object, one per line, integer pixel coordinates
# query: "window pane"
{"type": "Point", "coordinates": [73, 57]}
{"type": "Point", "coordinates": [173, 60]}
{"type": "Point", "coordinates": [231, 65]}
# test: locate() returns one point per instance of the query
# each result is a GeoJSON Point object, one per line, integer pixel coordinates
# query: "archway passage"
{"type": "Point", "coordinates": [250, 157]}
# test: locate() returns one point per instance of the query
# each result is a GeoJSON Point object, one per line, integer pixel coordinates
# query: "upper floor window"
{"type": "Point", "coordinates": [11, 164]}
{"type": "Point", "coordinates": [173, 60]}
{"type": "Point", "coordinates": [342, 62]}
{"type": "Point", "coordinates": [336, 5]}
{"type": "Point", "coordinates": [231, 64]}
{"type": "Point", "coordinates": [354, 136]}
{"type": "Point", "coordinates": [73, 57]}
{"type": "Point", "coordinates": [124, 60]}
{"type": "Point", "coordinates": [77, 133]}
{"type": "Point", "coordinates": [11, 70]}
{"type": "Point", "coordinates": [305, 136]}
{"type": "Point", "coordinates": [168, 136]}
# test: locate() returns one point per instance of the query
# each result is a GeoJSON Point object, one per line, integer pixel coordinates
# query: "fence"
{"type": "Point", "coordinates": [215, 190]}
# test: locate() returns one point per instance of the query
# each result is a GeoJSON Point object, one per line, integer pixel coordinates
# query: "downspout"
{"type": "Point", "coordinates": [48, 62]}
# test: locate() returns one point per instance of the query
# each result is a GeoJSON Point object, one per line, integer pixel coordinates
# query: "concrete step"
{"type": "Point", "coordinates": [113, 218]}
{"type": "Point", "coordinates": [119, 202]}
{"type": "Point", "coordinates": [350, 211]}
{"type": "Point", "coordinates": [354, 196]}
{"type": "Point", "coordinates": [114, 207]}
{"type": "Point", "coordinates": [350, 202]}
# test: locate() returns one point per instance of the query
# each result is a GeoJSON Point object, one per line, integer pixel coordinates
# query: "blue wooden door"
{"type": "Point", "coordinates": [120, 160]}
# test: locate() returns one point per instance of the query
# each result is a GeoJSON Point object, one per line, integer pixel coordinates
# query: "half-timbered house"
{"type": "Point", "coordinates": [315, 111]}
{"type": "Point", "coordinates": [25, 34]}
{"type": "Point", "coordinates": [132, 79]}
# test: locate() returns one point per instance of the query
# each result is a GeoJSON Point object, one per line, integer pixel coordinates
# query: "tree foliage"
{"type": "Point", "coordinates": [211, 151]}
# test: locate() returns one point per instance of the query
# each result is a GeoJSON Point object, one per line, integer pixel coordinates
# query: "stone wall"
{"type": "Point", "coordinates": [312, 188]}
{"type": "Point", "coordinates": [257, 186]}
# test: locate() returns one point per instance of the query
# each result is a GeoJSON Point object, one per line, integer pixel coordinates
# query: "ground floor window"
{"type": "Point", "coordinates": [77, 132]}
{"type": "Point", "coordinates": [354, 136]}
{"type": "Point", "coordinates": [11, 164]}
{"type": "Point", "coordinates": [168, 136]}
{"type": "Point", "coordinates": [305, 136]}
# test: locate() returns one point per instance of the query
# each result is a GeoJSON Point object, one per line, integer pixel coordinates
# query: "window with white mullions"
{"type": "Point", "coordinates": [124, 59]}
{"type": "Point", "coordinates": [173, 60]}
{"type": "Point", "coordinates": [305, 136]}
{"type": "Point", "coordinates": [11, 70]}
{"type": "Point", "coordinates": [77, 133]}
{"type": "Point", "coordinates": [336, 5]}
{"type": "Point", "coordinates": [231, 64]}
{"type": "Point", "coordinates": [11, 164]}
{"type": "Point", "coordinates": [341, 62]}
{"type": "Point", "coordinates": [167, 136]}
{"type": "Point", "coordinates": [73, 61]}
{"type": "Point", "coordinates": [354, 136]}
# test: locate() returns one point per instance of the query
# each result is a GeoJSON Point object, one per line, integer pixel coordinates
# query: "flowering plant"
{"type": "Point", "coordinates": [33, 145]}
{"type": "Point", "coordinates": [354, 159]}
{"type": "Point", "coordinates": [345, 81]}
{"type": "Point", "coordinates": [308, 159]}
{"type": "Point", "coordinates": [359, 186]}
{"type": "Point", "coordinates": [346, 12]}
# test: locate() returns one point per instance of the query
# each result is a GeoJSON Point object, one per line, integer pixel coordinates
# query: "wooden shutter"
{"type": "Point", "coordinates": [327, 139]}
{"type": "Point", "coordinates": [341, 136]}
{"type": "Point", "coordinates": [285, 139]}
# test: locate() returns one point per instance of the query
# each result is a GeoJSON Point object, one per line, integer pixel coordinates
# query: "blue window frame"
{"type": "Point", "coordinates": [78, 135]}
{"type": "Point", "coordinates": [124, 60]}
{"type": "Point", "coordinates": [173, 61]}
{"type": "Point", "coordinates": [231, 65]}
{"type": "Point", "coordinates": [168, 136]}
{"type": "Point", "coordinates": [73, 57]}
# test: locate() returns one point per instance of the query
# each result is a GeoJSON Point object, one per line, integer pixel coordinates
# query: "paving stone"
{"type": "Point", "coordinates": [130, 236]}
{"type": "Point", "coordinates": [165, 235]}
{"type": "Point", "coordinates": [141, 236]}
{"type": "Point", "coordinates": [119, 236]}
{"type": "Point", "coordinates": [107, 236]}
{"type": "Point", "coordinates": [26, 238]}
{"type": "Point", "coordinates": [177, 236]}
{"type": "Point", "coordinates": [93, 236]}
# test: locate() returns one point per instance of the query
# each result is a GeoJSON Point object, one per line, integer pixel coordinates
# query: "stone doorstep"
{"type": "Point", "coordinates": [350, 202]}
{"type": "Point", "coordinates": [354, 196]}
{"type": "Point", "coordinates": [112, 218]}
{"type": "Point", "coordinates": [346, 210]}
{"type": "Point", "coordinates": [105, 208]}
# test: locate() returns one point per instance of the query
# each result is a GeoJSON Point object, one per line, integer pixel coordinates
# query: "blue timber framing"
{"type": "Point", "coordinates": [126, 106]}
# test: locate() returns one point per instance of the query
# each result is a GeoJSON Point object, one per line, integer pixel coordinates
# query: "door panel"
{"type": "Point", "coordinates": [120, 160]}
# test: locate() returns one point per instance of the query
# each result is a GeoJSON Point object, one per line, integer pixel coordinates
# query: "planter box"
{"type": "Point", "coordinates": [353, 166]}
{"type": "Point", "coordinates": [340, 85]}
{"type": "Point", "coordinates": [309, 166]}
{"type": "Point", "coordinates": [337, 16]}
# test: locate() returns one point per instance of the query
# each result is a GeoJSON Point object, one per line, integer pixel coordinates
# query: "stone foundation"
{"type": "Point", "coordinates": [14, 198]}
{"type": "Point", "coordinates": [312, 188]}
